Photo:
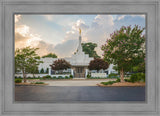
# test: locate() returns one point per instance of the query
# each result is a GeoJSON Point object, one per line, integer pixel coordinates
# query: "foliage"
{"type": "Point", "coordinates": [39, 82]}
{"type": "Point", "coordinates": [88, 48]}
{"type": "Point", "coordinates": [88, 76]}
{"type": "Point", "coordinates": [42, 71]}
{"type": "Point", "coordinates": [71, 76]}
{"type": "Point", "coordinates": [46, 77]}
{"type": "Point", "coordinates": [112, 75]}
{"type": "Point", "coordinates": [51, 55]}
{"type": "Point", "coordinates": [60, 64]}
{"type": "Point", "coordinates": [47, 70]}
{"type": "Point", "coordinates": [18, 80]}
{"type": "Point", "coordinates": [139, 68]}
{"type": "Point", "coordinates": [125, 46]}
{"type": "Point", "coordinates": [108, 83]}
{"type": "Point", "coordinates": [66, 77]}
{"type": "Point", "coordinates": [60, 77]}
{"type": "Point", "coordinates": [26, 60]}
{"type": "Point", "coordinates": [118, 80]}
{"type": "Point", "coordinates": [137, 77]}
{"type": "Point", "coordinates": [98, 64]}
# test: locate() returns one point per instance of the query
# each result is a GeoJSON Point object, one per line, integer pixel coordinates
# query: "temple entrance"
{"type": "Point", "coordinates": [79, 72]}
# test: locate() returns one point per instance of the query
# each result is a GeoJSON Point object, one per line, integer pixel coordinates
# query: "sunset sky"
{"type": "Point", "coordinates": [59, 33]}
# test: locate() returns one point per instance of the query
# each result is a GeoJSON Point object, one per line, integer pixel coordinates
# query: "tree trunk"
{"type": "Point", "coordinates": [24, 76]}
{"type": "Point", "coordinates": [122, 75]}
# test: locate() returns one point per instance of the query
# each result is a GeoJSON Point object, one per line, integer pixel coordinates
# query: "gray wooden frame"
{"type": "Point", "coordinates": [148, 7]}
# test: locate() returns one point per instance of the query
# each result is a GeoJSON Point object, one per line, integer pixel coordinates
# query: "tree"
{"type": "Point", "coordinates": [125, 49]}
{"type": "Point", "coordinates": [26, 59]}
{"type": "Point", "coordinates": [51, 55]}
{"type": "Point", "coordinates": [33, 69]}
{"type": "Point", "coordinates": [60, 64]}
{"type": "Point", "coordinates": [42, 70]}
{"type": "Point", "coordinates": [98, 64]}
{"type": "Point", "coordinates": [88, 48]}
{"type": "Point", "coordinates": [47, 70]}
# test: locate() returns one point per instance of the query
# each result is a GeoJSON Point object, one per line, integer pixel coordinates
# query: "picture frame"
{"type": "Point", "coordinates": [7, 10]}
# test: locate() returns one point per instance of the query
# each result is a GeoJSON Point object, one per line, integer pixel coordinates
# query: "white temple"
{"type": "Point", "coordinates": [79, 62]}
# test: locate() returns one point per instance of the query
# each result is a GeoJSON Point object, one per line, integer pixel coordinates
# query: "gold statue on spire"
{"type": "Point", "coordinates": [79, 31]}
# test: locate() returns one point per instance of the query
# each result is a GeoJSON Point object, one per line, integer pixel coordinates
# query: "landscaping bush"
{"type": "Point", "coordinates": [54, 77]}
{"type": "Point", "coordinates": [71, 76]}
{"type": "Point", "coordinates": [118, 80]}
{"type": "Point", "coordinates": [112, 75]}
{"type": "Point", "coordinates": [39, 82]}
{"type": "Point", "coordinates": [46, 77]}
{"type": "Point", "coordinates": [137, 77]}
{"type": "Point", "coordinates": [108, 83]}
{"type": "Point", "coordinates": [88, 76]}
{"type": "Point", "coordinates": [66, 77]}
{"type": "Point", "coordinates": [18, 80]}
{"type": "Point", "coordinates": [60, 77]}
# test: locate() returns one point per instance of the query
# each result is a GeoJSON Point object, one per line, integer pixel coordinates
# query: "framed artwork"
{"type": "Point", "coordinates": [79, 57]}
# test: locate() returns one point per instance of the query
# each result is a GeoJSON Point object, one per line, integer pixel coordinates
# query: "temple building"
{"type": "Point", "coordinates": [79, 62]}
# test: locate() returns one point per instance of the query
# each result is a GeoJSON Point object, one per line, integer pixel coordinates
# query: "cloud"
{"type": "Point", "coordinates": [100, 30]}
{"type": "Point", "coordinates": [123, 16]}
{"type": "Point", "coordinates": [67, 48]}
{"type": "Point", "coordinates": [17, 18]}
{"type": "Point", "coordinates": [44, 48]}
{"type": "Point", "coordinates": [79, 24]}
{"type": "Point", "coordinates": [49, 17]}
{"type": "Point", "coordinates": [97, 33]}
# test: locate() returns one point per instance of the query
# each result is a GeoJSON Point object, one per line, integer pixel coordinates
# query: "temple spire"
{"type": "Point", "coordinates": [79, 45]}
{"type": "Point", "coordinates": [80, 31]}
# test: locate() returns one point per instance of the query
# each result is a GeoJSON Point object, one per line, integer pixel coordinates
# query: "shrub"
{"type": "Point", "coordinates": [71, 76]}
{"type": "Point", "coordinates": [19, 77]}
{"type": "Point", "coordinates": [112, 75]}
{"type": "Point", "coordinates": [137, 77]}
{"type": "Point", "coordinates": [66, 77]}
{"type": "Point", "coordinates": [60, 77]}
{"type": "Point", "coordinates": [39, 82]}
{"type": "Point", "coordinates": [118, 80]}
{"type": "Point", "coordinates": [54, 77]}
{"type": "Point", "coordinates": [108, 83]}
{"type": "Point", "coordinates": [46, 77]}
{"type": "Point", "coordinates": [88, 76]}
{"type": "Point", "coordinates": [18, 80]}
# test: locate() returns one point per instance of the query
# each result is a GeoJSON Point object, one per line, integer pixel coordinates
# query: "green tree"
{"type": "Point", "coordinates": [26, 59]}
{"type": "Point", "coordinates": [125, 49]}
{"type": "Point", "coordinates": [52, 55]}
{"type": "Point", "coordinates": [88, 48]}
{"type": "Point", "coordinates": [60, 65]}
{"type": "Point", "coordinates": [47, 70]}
{"type": "Point", "coordinates": [33, 69]}
{"type": "Point", "coordinates": [98, 64]}
{"type": "Point", "coordinates": [42, 71]}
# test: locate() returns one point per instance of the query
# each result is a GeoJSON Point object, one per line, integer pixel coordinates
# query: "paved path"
{"type": "Point", "coordinates": [91, 82]}
{"type": "Point", "coordinates": [75, 93]}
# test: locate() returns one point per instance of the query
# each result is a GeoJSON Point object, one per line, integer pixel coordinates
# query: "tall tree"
{"type": "Point", "coordinates": [88, 48]}
{"type": "Point", "coordinates": [60, 64]}
{"type": "Point", "coordinates": [125, 49]}
{"type": "Point", "coordinates": [51, 55]}
{"type": "Point", "coordinates": [26, 59]}
{"type": "Point", "coordinates": [98, 64]}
